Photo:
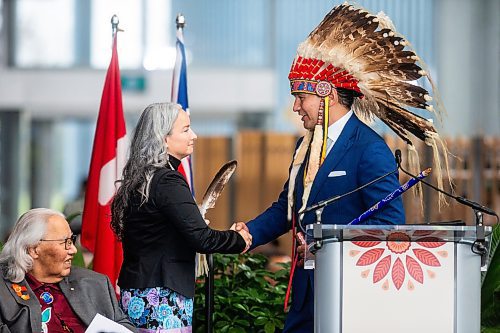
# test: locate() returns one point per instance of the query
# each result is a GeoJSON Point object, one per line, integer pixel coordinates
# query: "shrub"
{"type": "Point", "coordinates": [248, 297]}
{"type": "Point", "coordinates": [490, 289]}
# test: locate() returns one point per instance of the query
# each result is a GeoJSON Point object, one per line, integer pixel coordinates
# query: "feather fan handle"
{"type": "Point", "coordinates": [201, 265]}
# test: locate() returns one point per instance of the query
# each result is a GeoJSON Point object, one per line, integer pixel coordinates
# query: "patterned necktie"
{"type": "Point", "coordinates": [329, 143]}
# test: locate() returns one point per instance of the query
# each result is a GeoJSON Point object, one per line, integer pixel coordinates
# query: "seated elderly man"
{"type": "Point", "coordinates": [40, 291]}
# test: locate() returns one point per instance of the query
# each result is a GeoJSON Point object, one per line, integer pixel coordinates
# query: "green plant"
{"type": "Point", "coordinates": [490, 289]}
{"type": "Point", "coordinates": [78, 258]}
{"type": "Point", "coordinates": [490, 330]}
{"type": "Point", "coordinates": [248, 297]}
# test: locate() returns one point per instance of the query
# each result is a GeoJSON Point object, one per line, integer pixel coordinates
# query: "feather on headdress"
{"type": "Point", "coordinates": [355, 50]}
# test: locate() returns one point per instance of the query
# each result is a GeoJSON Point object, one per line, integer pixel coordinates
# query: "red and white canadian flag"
{"type": "Point", "coordinates": [108, 159]}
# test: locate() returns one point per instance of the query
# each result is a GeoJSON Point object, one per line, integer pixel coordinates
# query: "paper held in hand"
{"type": "Point", "coordinates": [101, 324]}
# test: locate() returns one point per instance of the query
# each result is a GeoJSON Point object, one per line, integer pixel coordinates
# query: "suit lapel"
{"type": "Point", "coordinates": [70, 290]}
{"type": "Point", "coordinates": [32, 303]}
{"type": "Point", "coordinates": [339, 149]}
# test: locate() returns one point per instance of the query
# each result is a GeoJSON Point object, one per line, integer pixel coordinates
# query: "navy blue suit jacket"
{"type": "Point", "coordinates": [363, 155]}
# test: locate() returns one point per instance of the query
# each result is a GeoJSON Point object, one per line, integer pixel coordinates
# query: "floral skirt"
{"type": "Point", "coordinates": [158, 310]}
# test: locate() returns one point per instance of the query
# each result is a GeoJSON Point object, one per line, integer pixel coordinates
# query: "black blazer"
{"type": "Point", "coordinates": [162, 236]}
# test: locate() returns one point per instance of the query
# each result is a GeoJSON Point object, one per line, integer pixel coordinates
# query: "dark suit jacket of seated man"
{"type": "Point", "coordinates": [39, 252]}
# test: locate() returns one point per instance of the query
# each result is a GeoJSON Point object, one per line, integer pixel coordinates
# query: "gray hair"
{"type": "Point", "coordinates": [148, 153]}
{"type": "Point", "coordinates": [29, 229]}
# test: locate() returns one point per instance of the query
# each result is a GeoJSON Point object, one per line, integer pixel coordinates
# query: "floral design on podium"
{"type": "Point", "coordinates": [391, 259]}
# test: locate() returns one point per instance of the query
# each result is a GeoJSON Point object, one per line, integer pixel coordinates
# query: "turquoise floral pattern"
{"type": "Point", "coordinates": [135, 308]}
{"type": "Point", "coordinates": [157, 309]}
{"type": "Point", "coordinates": [164, 311]}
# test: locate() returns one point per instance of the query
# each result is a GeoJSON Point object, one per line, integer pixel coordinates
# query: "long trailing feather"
{"type": "Point", "coordinates": [217, 185]}
{"type": "Point", "coordinates": [211, 195]}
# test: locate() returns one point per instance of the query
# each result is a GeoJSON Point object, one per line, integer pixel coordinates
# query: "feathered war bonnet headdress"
{"type": "Point", "coordinates": [355, 50]}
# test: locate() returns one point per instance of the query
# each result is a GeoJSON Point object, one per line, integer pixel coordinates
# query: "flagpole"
{"type": "Point", "coordinates": [209, 282]}
{"type": "Point", "coordinates": [179, 95]}
{"type": "Point", "coordinates": [180, 21]}
{"type": "Point", "coordinates": [114, 25]}
{"type": "Point", "coordinates": [108, 157]}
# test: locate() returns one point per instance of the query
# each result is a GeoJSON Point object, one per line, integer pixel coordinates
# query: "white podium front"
{"type": "Point", "coordinates": [397, 278]}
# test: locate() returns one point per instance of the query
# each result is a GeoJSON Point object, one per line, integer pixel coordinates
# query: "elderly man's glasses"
{"type": "Point", "coordinates": [68, 242]}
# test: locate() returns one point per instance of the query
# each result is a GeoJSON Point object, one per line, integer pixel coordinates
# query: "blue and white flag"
{"type": "Point", "coordinates": [180, 96]}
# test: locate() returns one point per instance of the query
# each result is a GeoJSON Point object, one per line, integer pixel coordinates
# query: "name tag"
{"type": "Point", "coordinates": [336, 174]}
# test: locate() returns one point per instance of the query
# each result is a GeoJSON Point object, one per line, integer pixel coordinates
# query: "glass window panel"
{"type": "Point", "coordinates": [227, 33]}
{"type": "Point", "coordinates": [130, 46]}
{"type": "Point", "coordinates": [160, 37]}
{"type": "Point", "coordinates": [43, 39]}
{"type": "Point", "coordinates": [1, 14]}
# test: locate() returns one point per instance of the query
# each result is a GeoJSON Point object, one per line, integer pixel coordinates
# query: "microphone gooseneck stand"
{"type": "Point", "coordinates": [478, 246]}
{"type": "Point", "coordinates": [462, 200]}
{"type": "Point", "coordinates": [318, 208]}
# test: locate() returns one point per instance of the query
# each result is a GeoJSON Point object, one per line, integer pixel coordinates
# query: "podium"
{"type": "Point", "coordinates": [396, 278]}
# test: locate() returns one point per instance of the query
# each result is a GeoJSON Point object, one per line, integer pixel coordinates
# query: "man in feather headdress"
{"type": "Point", "coordinates": [352, 65]}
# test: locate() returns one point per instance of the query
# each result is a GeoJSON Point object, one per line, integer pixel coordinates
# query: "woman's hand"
{"type": "Point", "coordinates": [242, 229]}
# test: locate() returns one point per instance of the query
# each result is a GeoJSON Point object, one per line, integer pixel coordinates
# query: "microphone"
{"type": "Point", "coordinates": [459, 199]}
{"type": "Point", "coordinates": [328, 201]}
{"type": "Point", "coordinates": [397, 156]}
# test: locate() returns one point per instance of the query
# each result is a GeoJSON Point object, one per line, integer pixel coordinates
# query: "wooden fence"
{"type": "Point", "coordinates": [263, 161]}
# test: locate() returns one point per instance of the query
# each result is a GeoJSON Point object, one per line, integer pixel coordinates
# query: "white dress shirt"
{"type": "Point", "coordinates": [335, 129]}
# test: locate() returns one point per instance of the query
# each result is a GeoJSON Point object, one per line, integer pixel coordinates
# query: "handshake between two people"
{"type": "Point", "coordinates": [242, 229]}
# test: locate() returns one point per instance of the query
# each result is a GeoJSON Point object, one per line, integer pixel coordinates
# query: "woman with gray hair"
{"type": "Point", "coordinates": [159, 223]}
{"type": "Point", "coordinates": [40, 290]}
